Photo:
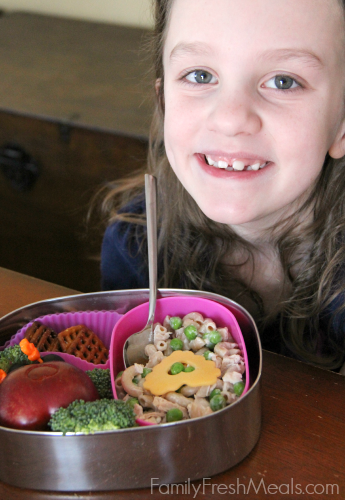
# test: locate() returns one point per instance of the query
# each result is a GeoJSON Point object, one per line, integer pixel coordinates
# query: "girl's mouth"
{"type": "Point", "coordinates": [235, 164]}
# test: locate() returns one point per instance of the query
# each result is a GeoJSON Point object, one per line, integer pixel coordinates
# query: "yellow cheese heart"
{"type": "Point", "coordinates": [159, 380]}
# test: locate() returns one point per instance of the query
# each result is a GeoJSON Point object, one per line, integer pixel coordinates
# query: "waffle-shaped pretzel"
{"type": "Point", "coordinates": [83, 343]}
{"type": "Point", "coordinates": [44, 338]}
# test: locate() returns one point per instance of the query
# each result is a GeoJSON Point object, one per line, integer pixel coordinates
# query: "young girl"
{"type": "Point", "coordinates": [247, 145]}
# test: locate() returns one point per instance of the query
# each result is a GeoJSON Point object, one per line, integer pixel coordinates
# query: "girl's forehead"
{"type": "Point", "coordinates": [314, 25]}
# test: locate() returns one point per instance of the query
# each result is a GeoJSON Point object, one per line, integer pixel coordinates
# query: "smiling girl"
{"type": "Point", "coordinates": [247, 144]}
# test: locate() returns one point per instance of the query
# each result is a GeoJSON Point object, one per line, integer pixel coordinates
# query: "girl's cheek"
{"type": "Point", "coordinates": [176, 128]}
{"type": "Point", "coordinates": [168, 141]}
{"type": "Point", "coordinates": [182, 121]}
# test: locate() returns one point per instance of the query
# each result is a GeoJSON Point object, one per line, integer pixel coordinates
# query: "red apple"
{"type": "Point", "coordinates": [31, 394]}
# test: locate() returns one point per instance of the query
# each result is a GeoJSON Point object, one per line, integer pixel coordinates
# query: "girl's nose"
{"type": "Point", "coordinates": [234, 115]}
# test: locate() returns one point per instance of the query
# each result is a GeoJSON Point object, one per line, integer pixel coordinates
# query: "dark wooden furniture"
{"type": "Point", "coordinates": [75, 104]}
{"type": "Point", "coordinates": [302, 444]}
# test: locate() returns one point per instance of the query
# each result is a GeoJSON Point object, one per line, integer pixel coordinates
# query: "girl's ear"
{"type": "Point", "coordinates": [159, 93]}
{"type": "Point", "coordinates": [337, 150]}
{"type": "Point", "coordinates": [158, 85]}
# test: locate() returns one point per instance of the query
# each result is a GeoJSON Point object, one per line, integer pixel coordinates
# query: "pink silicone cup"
{"type": "Point", "coordinates": [135, 320]}
{"type": "Point", "coordinates": [100, 322]}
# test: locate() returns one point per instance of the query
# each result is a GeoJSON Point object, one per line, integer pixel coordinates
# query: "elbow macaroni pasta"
{"type": "Point", "coordinates": [192, 402]}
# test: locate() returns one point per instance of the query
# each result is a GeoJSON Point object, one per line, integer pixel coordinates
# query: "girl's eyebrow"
{"type": "Point", "coordinates": [199, 48]}
{"type": "Point", "coordinates": [305, 56]}
{"type": "Point", "coordinates": [195, 48]}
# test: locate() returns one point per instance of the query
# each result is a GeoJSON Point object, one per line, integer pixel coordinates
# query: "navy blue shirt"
{"type": "Point", "coordinates": [124, 254]}
{"type": "Point", "coordinates": [123, 264]}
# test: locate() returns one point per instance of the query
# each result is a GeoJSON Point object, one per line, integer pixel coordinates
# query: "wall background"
{"type": "Point", "coordinates": [127, 12]}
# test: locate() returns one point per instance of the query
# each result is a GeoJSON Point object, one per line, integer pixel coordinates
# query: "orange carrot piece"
{"type": "Point", "coordinates": [30, 350]}
{"type": "Point", "coordinates": [3, 375]}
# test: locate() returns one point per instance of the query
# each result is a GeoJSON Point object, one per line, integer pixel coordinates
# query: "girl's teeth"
{"type": "Point", "coordinates": [222, 164]}
{"type": "Point", "coordinates": [256, 166]}
{"type": "Point", "coordinates": [238, 165]}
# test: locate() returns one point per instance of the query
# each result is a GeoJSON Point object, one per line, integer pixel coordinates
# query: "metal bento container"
{"type": "Point", "coordinates": [132, 458]}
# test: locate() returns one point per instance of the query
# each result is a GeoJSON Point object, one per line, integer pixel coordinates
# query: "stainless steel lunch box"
{"type": "Point", "coordinates": [142, 456]}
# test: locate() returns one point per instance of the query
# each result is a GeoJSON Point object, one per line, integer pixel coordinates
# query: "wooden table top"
{"type": "Point", "coordinates": [302, 445]}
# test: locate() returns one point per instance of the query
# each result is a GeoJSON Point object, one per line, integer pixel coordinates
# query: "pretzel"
{"type": "Point", "coordinates": [44, 338]}
{"type": "Point", "coordinates": [83, 343]}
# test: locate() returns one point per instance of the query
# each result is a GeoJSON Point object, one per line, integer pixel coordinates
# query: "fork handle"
{"type": "Point", "coordinates": [151, 217]}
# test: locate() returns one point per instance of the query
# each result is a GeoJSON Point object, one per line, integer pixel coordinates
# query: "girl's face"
{"type": "Point", "coordinates": [256, 86]}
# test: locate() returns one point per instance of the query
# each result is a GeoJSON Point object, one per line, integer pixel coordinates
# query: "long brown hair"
{"type": "Point", "coordinates": [192, 247]}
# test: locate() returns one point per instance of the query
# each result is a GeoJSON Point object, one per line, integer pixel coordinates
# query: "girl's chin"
{"type": "Point", "coordinates": [226, 215]}
{"type": "Point", "coordinates": [221, 205]}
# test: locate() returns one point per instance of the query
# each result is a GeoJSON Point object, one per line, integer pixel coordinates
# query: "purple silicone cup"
{"type": "Point", "coordinates": [135, 320]}
{"type": "Point", "coordinates": [100, 322]}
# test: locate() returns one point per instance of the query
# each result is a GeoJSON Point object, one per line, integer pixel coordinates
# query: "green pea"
{"type": "Point", "coordinates": [238, 388]}
{"type": "Point", "coordinates": [119, 375]}
{"type": "Point", "coordinates": [176, 344]}
{"type": "Point", "coordinates": [214, 393]}
{"type": "Point", "coordinates": [146, 371]}
{"type": "Point", "coordinates": [212, 338]}
{"type": "Point", "coordinates": [176, 368]}
{"type": "Point", "coordinates": [207, 355]}
{"type": "Point", "coordinates": [217, 402]}
{"type": "Point", "coordinates": [215, 337]}
{"type": "Point", "coordinates": [189, 369]}
{"type": "Point", "coordinates": [132, 401]}
{"type": "Point", "coordinates": [191, 332]}
{"type": "Point", "coordinates": [174, 415]}
{"type": "Point", "coordinates": [175, 322]}
{"type": "Point", "coordinates": [209, 344]}
{"type": "Point", "coordinates": [135, 380]}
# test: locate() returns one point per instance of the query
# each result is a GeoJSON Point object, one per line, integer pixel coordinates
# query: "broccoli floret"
{"type": "Point", "coordinates": [101, 378]}
{"type": "Point", "coordinates": [13, 355]}
{"type": "Point", "coordinates": [5, 364]}
{"type": "Point", "coordinates": [93, 416]}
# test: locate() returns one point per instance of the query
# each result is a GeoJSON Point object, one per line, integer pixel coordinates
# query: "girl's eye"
{"type": "Point", "coordinates": [200, 76]}
{"type": "Point", "coordinates": [282, 82]}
